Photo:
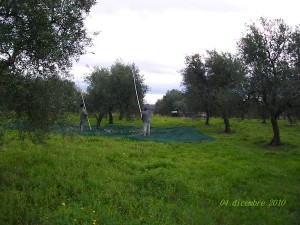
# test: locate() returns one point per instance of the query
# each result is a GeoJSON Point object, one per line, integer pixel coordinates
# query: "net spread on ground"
{"type": "Point", "coordinates": [158, 134]}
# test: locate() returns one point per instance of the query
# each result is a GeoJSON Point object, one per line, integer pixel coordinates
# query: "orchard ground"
{"type": "Point", "coordinates": [78, 179]}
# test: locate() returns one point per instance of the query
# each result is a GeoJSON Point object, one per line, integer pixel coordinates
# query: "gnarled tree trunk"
{"type": "Point", "coordinates": [226, 123]}
{"type": "Point", "coordinates": [111, 121]}
{"type": "Point", "coordinates": [207, 118]}
{"type": "Point", "coordinates": [98, 120]}
{"type": "Point", "coordinates": [276, 136]}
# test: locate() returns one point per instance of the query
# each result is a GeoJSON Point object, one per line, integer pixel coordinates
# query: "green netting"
{"type": "Point", "coordinates": [158, 134]}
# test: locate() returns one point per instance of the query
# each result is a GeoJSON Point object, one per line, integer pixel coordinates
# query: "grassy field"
{"type": "Point", "coordinates": [235, 179]}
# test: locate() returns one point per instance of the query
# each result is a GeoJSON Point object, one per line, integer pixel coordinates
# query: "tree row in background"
{"type": "Point", "coordinates": [262, 80]}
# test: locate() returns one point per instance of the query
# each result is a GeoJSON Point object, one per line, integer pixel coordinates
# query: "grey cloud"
{"type": "Point", "coordinates": [223, 6]}
{"type": "Point", "coordinates": [163, 88]}
{"type": "Point", "coordinates": [147, 66]}
{"type": "Point", "coordinates": [153, 67]}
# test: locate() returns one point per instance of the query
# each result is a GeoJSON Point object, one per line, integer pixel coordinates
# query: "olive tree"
{"type": "Point", "coordinates": [39, 40]}
{"type": "Point", "coordinates": [271, 54]}
{"type": "Point", "coordinates": [113, 90]}
{"type": "Point", "coordinates": [197, 86]}
{"type": "Point", "coordinates": [226, 75]}
{"type": "Point", "coordinates": [172, 100]}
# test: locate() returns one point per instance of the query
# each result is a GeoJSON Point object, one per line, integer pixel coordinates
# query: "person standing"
{"type": "Point", "coordinates": [83, 114]}
{"type": "Point", "coordinates": [146, 121]}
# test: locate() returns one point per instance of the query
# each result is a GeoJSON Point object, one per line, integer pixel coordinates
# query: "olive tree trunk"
{"type": "Point", "coordinates": [276, 136]}
{"type": "Point", "coordinates": [226, 123]}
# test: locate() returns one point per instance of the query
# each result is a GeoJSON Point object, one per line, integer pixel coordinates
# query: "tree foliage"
{"type": "Point", "coordinates": [226, 74]}
{"type": "Point", "coordinates": [124, 89]}
{"type": "Point", "coordinates": [214, 84]}
{"type": "Point", "coordinates": [41, 37]}
{"type": "Point", "coordinates": [197, 87]}
{"type": "Point", "coordinates": [112, 90]}
{"type": "Point", "coordinates": [39, 103]}
{"type": "Point", "coordinates": [173, 100]}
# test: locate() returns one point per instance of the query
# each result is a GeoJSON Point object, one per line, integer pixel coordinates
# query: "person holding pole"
{"type": "Point", "coordinates": [146, 119]}
{"type": "Point", "coordinates": [83, 115]}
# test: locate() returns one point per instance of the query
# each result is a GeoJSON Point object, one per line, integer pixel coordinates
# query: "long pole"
{"type": "Point", "coordinates": [85, 109]}
{"type": "Point", "coordinates": [137, 97]}
{"type": "Point", "coordinates": [84, 104]}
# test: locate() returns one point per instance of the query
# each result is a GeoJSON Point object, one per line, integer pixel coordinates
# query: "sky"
{"type": "Point", "coordinates": [157, 35]}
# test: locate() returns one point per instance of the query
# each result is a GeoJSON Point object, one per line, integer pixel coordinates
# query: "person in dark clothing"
{"type": "Point", "coordinates": [83, 114]}
{"type": "Point", "coordinates": [146, 120]}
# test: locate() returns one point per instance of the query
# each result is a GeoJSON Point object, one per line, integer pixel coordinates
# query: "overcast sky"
{"type": "Point", "coordinates": [156, 35]}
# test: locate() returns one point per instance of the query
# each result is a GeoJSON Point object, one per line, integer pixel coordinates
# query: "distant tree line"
{"type": "Point", "coordinates": [261, 80]}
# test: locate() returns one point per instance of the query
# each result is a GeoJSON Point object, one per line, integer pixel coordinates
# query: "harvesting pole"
{"type": "Point", "coordinates": [83, 103]}
{"type": "Point", "coordinates": [137, 97]}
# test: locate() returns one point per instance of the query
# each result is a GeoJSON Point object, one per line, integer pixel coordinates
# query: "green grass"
{"type": "Point", "coordinates": [98, 180]}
